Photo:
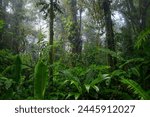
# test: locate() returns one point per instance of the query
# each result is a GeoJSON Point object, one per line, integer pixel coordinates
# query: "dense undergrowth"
{"type": "Point", "coordinates": [95, 50]}
{"type": "Point", "coordinates": [21, 77]}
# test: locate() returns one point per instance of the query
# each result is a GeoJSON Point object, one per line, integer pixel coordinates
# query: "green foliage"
{"type": "Point", "coordinates": [6, 87]}
{"type": "Point", "coordinates": [142, 44]}
{"type": "Point", "coordinates": [112, 53]}
{"type": "Point", "coordinates": [41, 37]}
{"type": "Point", "coordinates": [40, 79]}
{"type": "Point", "coordinates": [98, 55]}
{"type": "Point", "coordinates": [76, 76]}
{"type": "Point", "coordinates": [136, 88]}
{"type": "Point", "coordinates": [97, 81]}
{"type": "Point", "coordinates": [1, 25]}
{"type": "Point", "coordinates": [6, 59]}
{"type": "Point", "coordinates": [81, 82]}
{"type": "Point", "coordinates": [17, 69]}
{"type": "Point", "coordinates": [5, 83]}
{"type": "Point", "coordinates": [69, 28]}
{"type": "Point", "coordinates": [132, 61]}
{"type": "Point", "coordinates": [143, 37]}
{"type": "Point", "coordinates": [46, 7]}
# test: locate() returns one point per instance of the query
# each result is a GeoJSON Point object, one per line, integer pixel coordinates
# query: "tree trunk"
{"type": "Point", "coordinates": [143, 7]}
{"type": "Point", "coordinates": [1, 9]}
{"type": "Point", "coordinates": [1, 16]}
{"type": "Point", "coordinates": [80, 32]}
{"type": "Point", "coordinates": [51, 36]}
{"type": "Point", "coordinates": [75, 38]}
{"type": "Point", "coordinates": [109, 32]}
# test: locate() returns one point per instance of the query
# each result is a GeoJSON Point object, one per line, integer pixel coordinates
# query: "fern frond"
{"type": "Point", "coordinates": [136, 88]}
{"type": "Point", "coordinates": [142, 38]}
{"type": "Point", "coordinates": [134, 60]}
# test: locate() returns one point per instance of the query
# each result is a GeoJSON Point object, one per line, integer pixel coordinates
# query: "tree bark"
{"type": "Point", "coordinates": [51, 38]}
{"type": "Point", "coordinates": [1, 16]}
{"type": "Point", "coordinates": [75, 37]}
{"type": "Point", "coordinates": [143, 7]}
{"type": "Point", "coordinates": [109, 32]}
{"type": "Point", "coordinates": [80, 32]}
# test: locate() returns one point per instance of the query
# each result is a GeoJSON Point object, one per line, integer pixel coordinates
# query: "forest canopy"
{"type": "Point", "coordinates": [75, 49]}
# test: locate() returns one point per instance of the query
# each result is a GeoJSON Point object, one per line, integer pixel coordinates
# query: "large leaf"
{"type": "Point", "coordinates": [96, 88]}
{"type": "Point", "coordinates": [100, 79]}
{"type": "Point", "coordinates": [87, 87]}
{"type": "Point", "coordinates": [131, 61]}
{"type": "Point", "coordinates": [77, 84]}
{"type": "Point", "coordinates": [76, 95]}
{"type": "Point", "coordinates": [136, 88]}
{"type": "Point", "coordinates": [96, 81]}
{"type": "Point", "coordinates": [40, 80]}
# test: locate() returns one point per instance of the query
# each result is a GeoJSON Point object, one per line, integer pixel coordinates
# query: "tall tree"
{"type": "Point", "coordinates": [144, 6]}
{"type": "Point", "coordinates": [136, 16]}
{"type": "Point", "coordinates": [1, 18]}
{"type": "Point", "coordinates": [109, 32]}
{"type": "Point", "coordinates": [75, 38]}
{"type": "Point", "coordinates": [51, 38]}
{"type": "Point", "coordinates": [49, 8]}
{"type": "Point", "coordinates": [18, 17]}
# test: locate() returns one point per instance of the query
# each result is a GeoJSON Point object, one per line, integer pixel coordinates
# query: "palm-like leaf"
{"type": "Point", "coordinates": [46, 7]}
{"type": "Point", "coordinates": [96, 81]}
{"type": "Point", "coordinates": [136, 88]}
{"type": "Point", "coordinates": [142, 38]}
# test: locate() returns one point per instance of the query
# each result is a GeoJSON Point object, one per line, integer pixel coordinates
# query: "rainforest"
{"type": "Point", "coordinates": [74, 49]}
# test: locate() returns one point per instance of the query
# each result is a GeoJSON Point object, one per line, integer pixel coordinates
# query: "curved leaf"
{"type": "Point", "coordinates": [40, 80]}
{"type": "Point", "coordinates": [136, 88]}
{"type": "Point", "coordinates": [87, 87]}
{"type": "Point", "coordinates": [76, 95]}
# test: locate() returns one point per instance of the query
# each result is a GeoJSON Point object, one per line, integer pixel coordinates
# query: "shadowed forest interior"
{"type": "Point", "coordinates": [75, 49]}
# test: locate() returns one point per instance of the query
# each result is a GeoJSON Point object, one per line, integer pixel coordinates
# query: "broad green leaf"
{"type": "Point", "coordinates": [96, 81]}
{"type": "Point", "coordinates": [77, 85]}
{"type": "Point", "coordinates": [87, 87]}
{"type": "Point", "coordinates": [106, 76]}
{"type": "Point", "coordinates": [100, 79]}
{"type": "Point", "coordinates": [96, 88]}
{"type": "Point", "coordinates": [75, 95]}
{"type": "Point", "coordinates": [40, 80]}
{"type": "Point", "coordinates": [118, 73]}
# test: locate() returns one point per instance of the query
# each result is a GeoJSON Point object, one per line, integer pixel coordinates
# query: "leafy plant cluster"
{"type": "Point", "coordinates": [86, 80]}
